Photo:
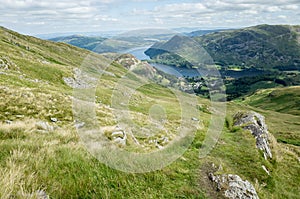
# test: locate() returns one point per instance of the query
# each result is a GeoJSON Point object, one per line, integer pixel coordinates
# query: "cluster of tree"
{"type": "Point", "coordinates": [236, 88]}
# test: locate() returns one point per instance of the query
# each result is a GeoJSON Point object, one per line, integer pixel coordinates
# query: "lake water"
{"type": "Point", "coordinates": [186, 72]}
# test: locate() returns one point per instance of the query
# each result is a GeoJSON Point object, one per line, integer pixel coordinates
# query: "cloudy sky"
{"type": "Point", "coordinates": [54, 16]}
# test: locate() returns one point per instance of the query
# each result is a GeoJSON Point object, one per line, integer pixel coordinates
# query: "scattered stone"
{"type": "Point", "coordinates": [53, 119]}
{"type": "Point", "coordinates": [255, 123]}
{"type": "Point", "coordinates": [6, 63]}
{"type": "Point", "coordinates": [117, 134]}
{"type": "Point", "coordinates": [79, 125]}
{"type": "Point", "coordinates": [19, 116]}
{"type": "Point", "coordinates": [233, 186]}
{"type": "Point", "coordinates": [265, 169]}
{"type": "Point", "coordinates": [195, 119]}
{"type": "Point", "coordinates": [40, 194]}
{"type": "Point", "coordinates": [81, 80]}
{"type": "Point", "coordinates": [119, 137]}
{"type": "Point", "coordinates": [44, 126]}
{"type": "Point", "coordinates": [8, 121]}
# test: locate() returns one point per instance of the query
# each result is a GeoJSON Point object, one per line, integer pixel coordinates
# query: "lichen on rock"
{"type": "Point", "coordinates": [255, 123]}
{"type": "Point", "coordinates": [233, 186]}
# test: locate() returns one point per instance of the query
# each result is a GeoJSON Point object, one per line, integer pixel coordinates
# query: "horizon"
{"type": "Point", "coordinates": [34, 18]}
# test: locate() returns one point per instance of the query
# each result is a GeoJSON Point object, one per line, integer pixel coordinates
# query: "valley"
{"type": "Point", "coordinates": [59, 104]}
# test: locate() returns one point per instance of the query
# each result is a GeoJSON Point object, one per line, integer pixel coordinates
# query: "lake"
{"type": "Point", "coordinates": [187, 72]}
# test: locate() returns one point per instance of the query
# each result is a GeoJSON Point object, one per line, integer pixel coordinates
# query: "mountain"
{"type": "Point", "coordinates": [118, 43]}
{"type": "Point", "coordinates": [261, 47]}
{"type": "Point", "coordinates": [89, 43]}
{"type": "Point", "coordinates": [204, 32]}
{"type": "Point", "coordinates": [46, 145]}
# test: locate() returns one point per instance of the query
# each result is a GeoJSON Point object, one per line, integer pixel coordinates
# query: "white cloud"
{"type": "Point", "coordinates": [68, 15]}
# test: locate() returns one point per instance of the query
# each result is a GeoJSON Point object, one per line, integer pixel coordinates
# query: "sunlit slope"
{"type": "Point", "coordinates": [283, 100]}
{"type": "Point", "coordinates": [32, 89]}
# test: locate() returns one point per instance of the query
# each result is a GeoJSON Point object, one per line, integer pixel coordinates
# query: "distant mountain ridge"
{"type": "Point", "coordinates": [89, 43]}
{"type": "Point", "coordinates": [262, 46]}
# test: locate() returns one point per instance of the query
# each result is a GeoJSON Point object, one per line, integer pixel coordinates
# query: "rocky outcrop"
{"type": "Point", "coordinates": [233, 186]}
{"type": "Point", "coordinates": [255, 123]}
{"type": "Point", "coordinates": [44, 127]}
{"type": "Point", "coordinates": [80, 80]}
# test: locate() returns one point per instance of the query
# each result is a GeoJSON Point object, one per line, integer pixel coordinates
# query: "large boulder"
{"type": "Point", "coordinates": [255, 123]}
{"type": "Point", "coordinates": [233, 186]}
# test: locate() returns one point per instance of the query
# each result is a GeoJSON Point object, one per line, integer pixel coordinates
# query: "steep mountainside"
{"type": "Point", "coordinates": [263, 47]}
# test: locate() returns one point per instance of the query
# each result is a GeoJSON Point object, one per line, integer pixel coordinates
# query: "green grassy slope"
{"type": "Point", "coordinates": [285, 103]}
{"type": "Point", "coordinates": [32, 89]}
{"type": "Point", "coordinates": [283, 100]}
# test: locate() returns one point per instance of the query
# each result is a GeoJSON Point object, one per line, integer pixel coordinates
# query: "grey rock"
{"type": "Point", "coordinates": [265, 169]}
{"type": "Point", "coordinates": [255, 123]}
{"type": "Point", "coordinates": [81, 80]}
{"type": "Point", "coordinates": [40, 194]}
{"type": "Point", "coordinates": [79, 125]}
{"type": "Point", "coordinates": [8, 121]}
{"type": "Point", "coordinates": [195, 119]}
{"type": "Point", "coordinates": [119, 137]}
{"type": "Point", "coordinates": [44, 126]}
{"type": "Point", "coordinates": [233, 186]}
{"type": "Point", "coordinates": [53, 119]}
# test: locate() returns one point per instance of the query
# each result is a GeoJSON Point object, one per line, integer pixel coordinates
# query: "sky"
{"type": "Point", "coordinates": [59, 16]}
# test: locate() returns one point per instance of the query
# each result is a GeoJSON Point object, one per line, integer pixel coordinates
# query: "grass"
{"type": "Point", "coordinates": [58, 163]}
{"type": "Point", "coordinates": [284, 100]}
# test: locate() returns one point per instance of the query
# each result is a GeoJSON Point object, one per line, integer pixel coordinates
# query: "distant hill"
{"type": "Point", "coordinates": [119, 43]}
{"type": "Point", "coordinates": [263, 46]}
{"type": "Point", "coordinates": [89, 43]}
{"type": "Point", "coordinates": [203, 32]}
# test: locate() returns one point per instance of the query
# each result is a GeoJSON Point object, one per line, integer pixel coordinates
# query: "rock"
{"type": "Point", "coordinates": [79, 125]}
{"type": "Point", "coordinates": [119, 137]}
{"type": "Point", "coordinates": [118, 134]}
{"type": "Point", "coordinates": [255, 123]}
{"type": "Point", "coordinates": [233, 186]}
{"type": "Point", "coordinates": [81, 80]}
{"type": "Point", "coordinates": [40, 194]}
{"type": "Point", "coordinates": [44, 126]}
{"type": "Point", "coordinates": [8, 121]}
{"type": "Point", "coordinates": [265, 169]}
{"type": "Point", "coordinates": [195, 119]}
{"type": "Point", "coordinates": [6, 63]}
{"type": "Point", "coordinates": [53, 119]}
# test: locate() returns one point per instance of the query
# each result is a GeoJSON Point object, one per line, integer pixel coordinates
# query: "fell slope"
{"type": "Point", "coordinates": [35, 162]}
{"type": "Point", "coordinates": [262, 47]}
{"type": "Point", "coordinates": [283, 100]}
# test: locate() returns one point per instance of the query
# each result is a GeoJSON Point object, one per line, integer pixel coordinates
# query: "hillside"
{"type": "Point", "coordinates": [43, 140]}
{"type": "Point", "coordinates": [118, 43]}
{"type": "Point", "coordinates": [89, 43]}
{"type": "Point", "coordinates": [283, 100]}
{"type": "Point", "coordinates": [262, 47]}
